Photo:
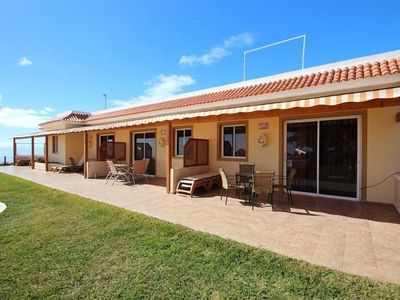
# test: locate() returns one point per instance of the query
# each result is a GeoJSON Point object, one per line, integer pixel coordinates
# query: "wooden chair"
{"type": "Point", "coordinates": [226, 185]}
{"type": "Point", "coordinates": [285, 183]}
{"type": "Point", "coordinates": [263, 183]}
{"type": "Point", "coordinates": [139, 169]}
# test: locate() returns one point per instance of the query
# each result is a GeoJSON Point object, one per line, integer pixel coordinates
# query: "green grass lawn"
{"type": "Point", "coordinates": [57, 244]}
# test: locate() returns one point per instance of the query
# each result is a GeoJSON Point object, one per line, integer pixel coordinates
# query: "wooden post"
{"type": "Point", "coordinates": [168, 157]}
{"type": "Point", "coordinates": [85, 154]}
{"type": "Point", "coordinates": [398, 117]}
{"type": "Point", "coordinates": [14, 151]}
{"type": "Point", "coordinates": [46, 152]}
{"type": "Point", "coordinates": [32, 152]}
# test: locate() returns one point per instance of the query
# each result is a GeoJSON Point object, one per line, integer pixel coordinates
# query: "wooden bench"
{"type": "Point", "coordinates": [188, 185]}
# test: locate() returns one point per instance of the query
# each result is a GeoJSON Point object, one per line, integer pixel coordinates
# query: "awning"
{"type": "Point", "coordinates": [305, 103]}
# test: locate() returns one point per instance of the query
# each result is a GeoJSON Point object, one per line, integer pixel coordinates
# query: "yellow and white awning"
{"type": "Point", "coordinates": [305, 103]}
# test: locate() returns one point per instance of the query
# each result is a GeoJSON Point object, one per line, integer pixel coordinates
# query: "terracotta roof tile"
{"type": "Point", "coordinates": [75, 117]}
{"type": "Point", "coordinates": [361, 71]}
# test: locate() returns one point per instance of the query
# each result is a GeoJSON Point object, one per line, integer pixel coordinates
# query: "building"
{"type": "Point", "coordinates": [338, 125]}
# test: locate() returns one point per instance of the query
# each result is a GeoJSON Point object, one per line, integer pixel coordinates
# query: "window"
{"type": "Point", "coordinates": [234, 141]}
{"type": "Point", "coordinates": [181, 138]}
{"type": "Point", "coordinates": [54, 143]}
{"type": "Point", "coordinates": [106, 147]}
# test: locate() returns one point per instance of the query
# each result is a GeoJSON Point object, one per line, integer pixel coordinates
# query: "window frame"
{"type": "Point", "coordinates": [221, 155]}
{"type": "Point", "coordinates": [54, 144]}
{"type": "Point", "coordinates": [175, 148]}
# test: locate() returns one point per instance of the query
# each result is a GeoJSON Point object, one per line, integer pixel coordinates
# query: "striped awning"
{"type": "Point", "coordinates": [305, 103]}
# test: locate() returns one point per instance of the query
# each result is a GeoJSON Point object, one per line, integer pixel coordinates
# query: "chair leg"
{"type": "Point", "coordinates": [287, 195]}
{"type": "Point", "coordinates": [253, 196]}
{"type": "Point", "coordinates": [226, 199]}
{"type": "Point", "coordinates": [222, 191]}
{"type": "Point", "coordinates": [272, 199]}
{"type": "Point", "coordinates": [291, 196]}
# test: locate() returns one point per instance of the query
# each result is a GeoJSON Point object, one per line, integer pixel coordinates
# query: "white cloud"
{"type": "Point", "coordinates": [217, 52]}
{"type": "Point", "coordinates": [21, 118]}
{"type": "Point", "coordinates": [5, 144]}
{"type": "Point", "coordinates": [162, 86]}
{"type": "Point", "coordinates": [47, 110]}
{"type": "Point", "coordinates": [24, 62]}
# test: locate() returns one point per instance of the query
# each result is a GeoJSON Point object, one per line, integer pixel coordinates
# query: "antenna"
{"type": "Point", "coordinates": [105, 100]}
{"type": "Point", "coordinates": [275, 44]}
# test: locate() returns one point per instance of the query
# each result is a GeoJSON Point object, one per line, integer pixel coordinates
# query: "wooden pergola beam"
{"type": "Point", "coordinates": [168, 152]}
{"type": "Point", "coordinates": [85, 153]}
{"type": "Point", "coordinates": [14, 151]}
{"type": "Point", "coordinates": [46, 152]}
{"type": "Point", "coordinates": [32, 152]}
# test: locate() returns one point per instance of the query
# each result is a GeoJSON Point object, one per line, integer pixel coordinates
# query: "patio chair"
{"type": "Point", "coordinates": [262, 184]}
{"type": "Point", "coordinates": [116, 174]}
{"type": "Point", "coordinates": [285, 183]}
{"type": "Point", "coordinates": [226, 185]}
{"type": "Point", "coordinates": [61, 168]}
{"type": "Point", "coordinates": [140, 169]}
{"type": "Point", "coordinates": [77, 167]}
{"type": "Point", "coordinates": [247, 168]}
{"type": "Point", "coordinates": [244, 177]}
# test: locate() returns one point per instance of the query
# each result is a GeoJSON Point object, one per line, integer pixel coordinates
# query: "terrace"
{"type": "Point", "coordinates": [354, 237]}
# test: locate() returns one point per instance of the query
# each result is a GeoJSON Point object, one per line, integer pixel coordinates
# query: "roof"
{"type": "Point", "coordinates": [358, 97]}
{"type": "Point", "coordinates": [346, 71]}
{"type": "Point", "coordinates": [69, 116]}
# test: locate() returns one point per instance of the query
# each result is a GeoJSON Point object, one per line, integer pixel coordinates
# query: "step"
{"type": "Point", "coordinates": [183, 191]}
{"type": "Point", "coordinates": [185, 185]}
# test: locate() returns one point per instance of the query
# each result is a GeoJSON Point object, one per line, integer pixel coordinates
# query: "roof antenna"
{"type": "Point", "coordinates": [105, 100]}
{"type": "Point", "coordinates": [275, 44]}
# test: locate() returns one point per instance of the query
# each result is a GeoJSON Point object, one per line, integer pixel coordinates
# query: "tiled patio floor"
{"type": "Point", "coordinates": [357, 238]}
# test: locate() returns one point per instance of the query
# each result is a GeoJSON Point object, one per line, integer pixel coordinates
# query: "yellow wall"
{"type": "Point", "coordinates": [123, 135]}
{"type": "Point", "coordinates": [70, 145]}
{"type": "Point", "coordinates": [265, 157]}
{"type": "Point", "coordinates": [74, 147]}
{"type": "Point", "coordinates": [58, 157]}
{"type": "Point", "coordinates": [383, 152]}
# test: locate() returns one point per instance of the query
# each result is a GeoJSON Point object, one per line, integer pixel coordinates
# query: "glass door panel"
{"type": "Point", "coordinates": [145, 147]}
{"type": "Point", "coordinates": [338, 152]}
{"type": "Point", "coordinates": [138, 146]}
{"type": "Point", "coordinates": [301, 147]}
{"type": "Point", "coordinates": [150, 151]}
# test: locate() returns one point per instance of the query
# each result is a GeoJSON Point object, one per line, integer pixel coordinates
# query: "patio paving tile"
{"type": "Point", "coordinates": [358, 238]}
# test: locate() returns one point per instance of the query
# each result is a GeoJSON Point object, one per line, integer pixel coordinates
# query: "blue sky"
{"type": "Point", "coordinates": [61, 55]}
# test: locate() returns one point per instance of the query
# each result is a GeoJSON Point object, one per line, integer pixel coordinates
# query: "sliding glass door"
{"type": "Point", "coordinates": [144, 146]}
{"type": "Point", "coordinates": [325, 154]}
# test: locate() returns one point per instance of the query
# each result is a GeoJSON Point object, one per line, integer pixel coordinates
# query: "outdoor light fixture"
{"type": "Point", "coordinates": [262, 139]}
